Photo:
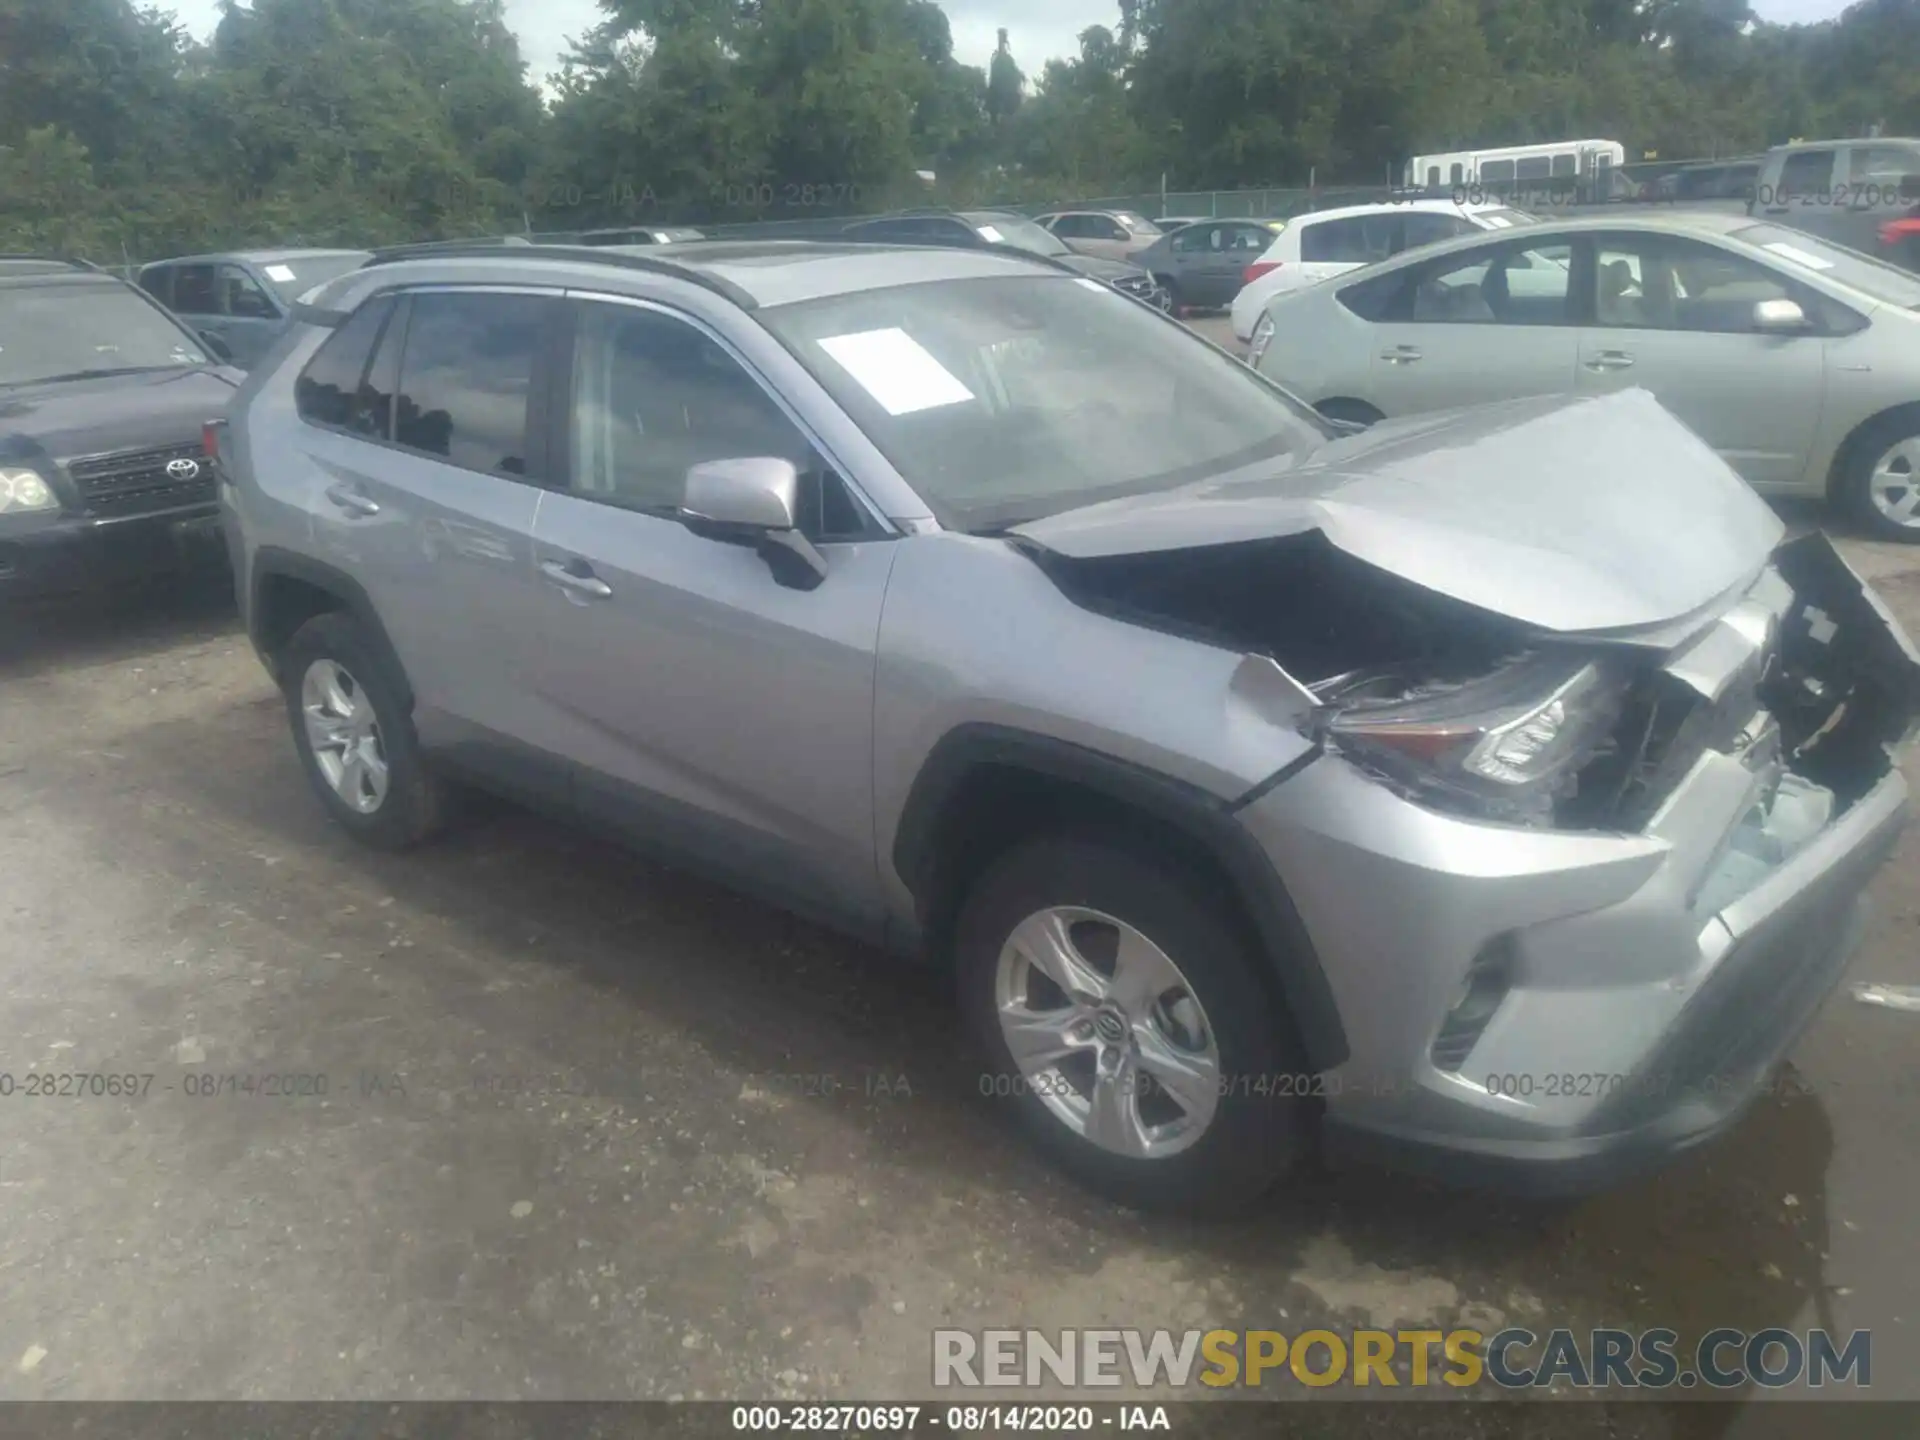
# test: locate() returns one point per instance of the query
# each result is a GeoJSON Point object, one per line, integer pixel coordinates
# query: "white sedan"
{"type": "Point", "coordinates": [1797, 360]}
{"type": "Point", "coordinates": [1326, 243]}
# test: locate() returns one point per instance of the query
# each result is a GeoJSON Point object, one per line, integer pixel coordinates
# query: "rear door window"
{"type": "Point", "coordinates": [1806, 173]}
{"type": "Point", "coordinates": [194, 291]}
{"type": "Point", "coordinates": [1356, 240]}
{"type": "Point", "coordinates": [158, 282]}
{"type": "Point", "coordinates": [466, 379]}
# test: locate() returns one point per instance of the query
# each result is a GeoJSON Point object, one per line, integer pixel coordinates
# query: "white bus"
{"type": "Point", "coordinates": [1562, 164]}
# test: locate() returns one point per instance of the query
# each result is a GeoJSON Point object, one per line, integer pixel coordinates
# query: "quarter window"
{"type": "Point", "coordinates": [158, 282]}
{"type": "Point", "coordinates": [466, 379]}
{"type": "Point", "coordinates": [326, 389]}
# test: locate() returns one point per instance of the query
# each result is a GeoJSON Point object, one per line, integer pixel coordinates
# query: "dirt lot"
{"type": "Point", "coordinates": [592, 1129]}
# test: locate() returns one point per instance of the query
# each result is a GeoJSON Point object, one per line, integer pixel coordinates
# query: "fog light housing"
{"type": "Point", "coordinates": [1482, 990]}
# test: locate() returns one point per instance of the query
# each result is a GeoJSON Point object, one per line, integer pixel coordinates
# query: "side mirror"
{"type": "Point", "coordinates": [1777, 317]}
{"type": "Point", "coordinates": [217, 345]}
{"type": "Point", "coordinates": [754, 501]}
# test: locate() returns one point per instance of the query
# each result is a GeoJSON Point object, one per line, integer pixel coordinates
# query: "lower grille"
{"type": "Point", "coordinates": [1141, 286]}
{"type": "Point", "coordinates": [143, 482]}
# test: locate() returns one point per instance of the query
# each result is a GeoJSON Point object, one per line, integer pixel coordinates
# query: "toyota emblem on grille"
{"type": "Point", "coordinates": [182, 469]}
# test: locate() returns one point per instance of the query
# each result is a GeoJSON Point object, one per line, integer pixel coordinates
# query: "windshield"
{"type": "Point", "coordinates": [1806, 252]}
{"type": "Point", "coordinates": [1005, 400]}
{"type": "Point", "coordinates": [1139, 225]}
{"type": "Point", "coordinates": [295, 276]}
{"type": "Point", "coordinates": [1020, 231]}
{"type": "Point", "coordinates": [48, 331]}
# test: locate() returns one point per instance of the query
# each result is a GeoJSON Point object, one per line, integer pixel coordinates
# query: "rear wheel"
{"type": "Point", "coordinates": [1126, 1029]}
{"type": "Point", "coordinates": [1353, 412]}
{"type": "Point", "coordinates": [1881, 484]}
{"type": "Point", "coordinates": [355, 736]}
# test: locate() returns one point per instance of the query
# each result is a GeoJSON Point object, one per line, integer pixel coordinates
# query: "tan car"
{"type": "Point", "coordinates": [1111, 234]}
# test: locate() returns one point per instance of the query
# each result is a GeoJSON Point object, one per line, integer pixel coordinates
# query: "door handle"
{"type": "Point", "coordinates": [575, 575]}
{"type": "Point", "coordinates": [1401, 354]}
{"type": "Point", "coordinates": [1611, 360]}
{"type": "Point", "coordinates": [352, 500]}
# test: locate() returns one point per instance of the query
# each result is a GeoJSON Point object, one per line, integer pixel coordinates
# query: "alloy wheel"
{"type": "Point", "coordinates": [344, 734]}
{"type": "Point", "coordinates": [1894, 484]}
{"type": "Point", "coordinates": [1107, 1032]}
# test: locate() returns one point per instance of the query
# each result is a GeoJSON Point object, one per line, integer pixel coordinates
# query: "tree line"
{"type": "Point", "coordinates": [373, 121]}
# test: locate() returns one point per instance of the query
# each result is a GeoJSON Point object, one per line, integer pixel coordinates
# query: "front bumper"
{"type": "Point", "coordinates": [1649, 984]}
{"type": "Point", "coordinates": [61, 554]}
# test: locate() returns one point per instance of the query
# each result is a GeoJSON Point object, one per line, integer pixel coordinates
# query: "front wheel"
{"type": "Point", "coordinates": [1881, 486]}
{"type": "Point", "coordinates": [1126, 1028]}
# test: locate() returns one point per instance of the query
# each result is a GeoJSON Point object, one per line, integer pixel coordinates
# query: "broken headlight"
{"type": "Point", "coordinates": [1505, 746]}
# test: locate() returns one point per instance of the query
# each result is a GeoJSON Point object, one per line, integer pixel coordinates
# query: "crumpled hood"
{"type": "Point", "coordinates": [1098, 267]}
{"type": "Point", "coordinates": [114, 412]}
{"type": "Point", "coordinates": [1568, 514]}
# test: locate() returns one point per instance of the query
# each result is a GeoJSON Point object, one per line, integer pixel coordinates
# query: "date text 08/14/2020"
{"type": "Point", "coordinates": [959, 1419]}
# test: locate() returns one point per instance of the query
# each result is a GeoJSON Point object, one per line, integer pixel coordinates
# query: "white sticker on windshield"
{"type": "Point", "coordinates": [280, 274]}
{"type": "Point", "coordinates": [896, 370]}
{"type": "Point", "coordinates": [1497, 222]}
{"type": "Point", "coordinates": [1798, 256]}
{"type": "Point", "coordinates": [991, 235]}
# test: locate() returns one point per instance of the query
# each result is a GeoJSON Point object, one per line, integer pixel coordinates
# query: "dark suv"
{"type": "Point", "coordinates": [103, 400]}
{"type": "Point", "coordinates": [976, 229]}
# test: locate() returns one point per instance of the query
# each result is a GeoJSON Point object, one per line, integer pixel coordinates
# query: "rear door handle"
{"type": "Point", "coordinates": [1611, 360]}
{"type": "Point", "coordinates": [576, 576]}
{"type": "Point", "coordinates": [1401, 354]}
{"type": "Point", "coordinates": [352, 500]}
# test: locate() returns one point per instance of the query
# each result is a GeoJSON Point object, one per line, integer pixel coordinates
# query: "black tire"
{"type": "Point", "coordinates": [417, 802]}
{"type": "Point", "coordinates": [1257, 1133]}
{"type": "Point", "coordinates": [1175, 305]}
{"type": "Point", "coordinates": [1856, 487]}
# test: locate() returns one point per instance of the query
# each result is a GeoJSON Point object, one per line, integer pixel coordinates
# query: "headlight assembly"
{"type": "Point", "coordinates": [22, 491]}
{"type": "Point", "coordinates": [1504, 746]}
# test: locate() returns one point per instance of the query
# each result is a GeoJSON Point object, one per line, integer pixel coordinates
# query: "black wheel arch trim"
{"type": "Point", "coordinates": [1203, 818]}
{"type": "Point", "coordinates": [271, 562]}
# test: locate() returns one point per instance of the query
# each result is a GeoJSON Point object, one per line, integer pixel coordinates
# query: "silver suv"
{"type": "Point", "coordinates": [1491, 790]}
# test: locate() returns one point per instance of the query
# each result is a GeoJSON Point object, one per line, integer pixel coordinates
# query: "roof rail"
{"type": "Point", "coordinates": [74, 260]}
{"type": "Point", "coordinates": [590, 254]}
{"type": "Point", "coordinates": [442, 247]}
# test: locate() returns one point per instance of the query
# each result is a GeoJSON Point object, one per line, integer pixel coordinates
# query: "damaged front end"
{"type": "Point", "coordinates": [1806, 678]}
{"type": "Point", "coordinates": [1802, 676]}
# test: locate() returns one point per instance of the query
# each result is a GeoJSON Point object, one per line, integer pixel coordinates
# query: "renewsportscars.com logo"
{"type": "Point", "coordinates": [1513, 1359]}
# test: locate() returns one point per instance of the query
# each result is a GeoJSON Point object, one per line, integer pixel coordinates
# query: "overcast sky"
{"type": "Point", "coordinates": [1050, 27]}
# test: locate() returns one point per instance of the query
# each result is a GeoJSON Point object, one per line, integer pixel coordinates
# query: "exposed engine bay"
{"type": "Point", "coordinates": [1806, 674]}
